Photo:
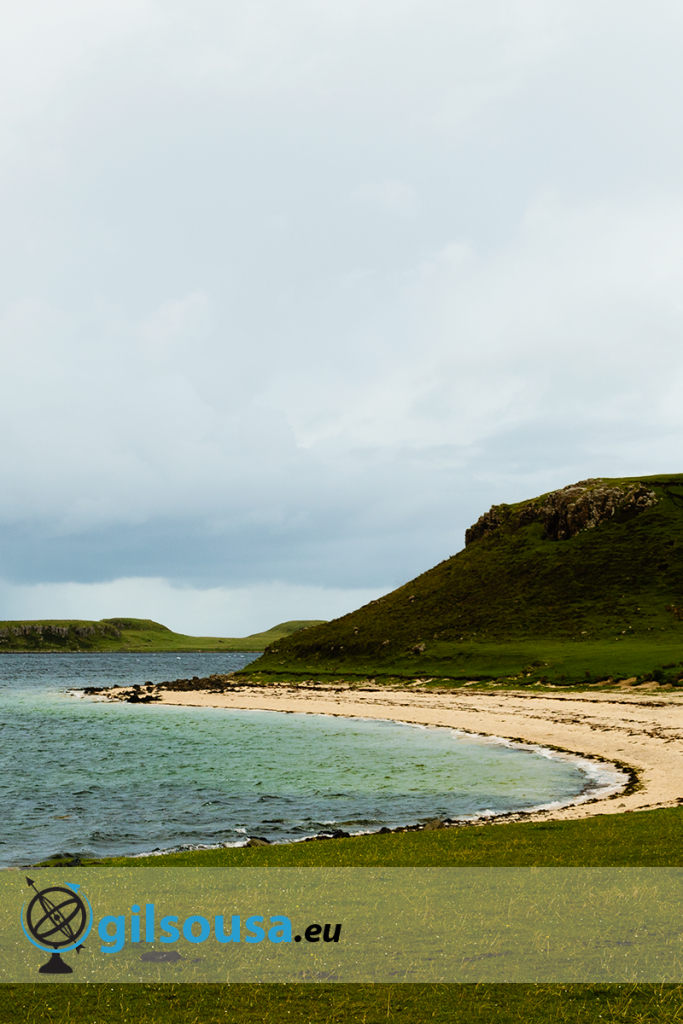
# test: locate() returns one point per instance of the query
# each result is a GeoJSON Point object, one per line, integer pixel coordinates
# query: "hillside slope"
{"type": "Point", "coordinates": [125, 634]}
{"type": "Point", "coordinates": [585, 581]}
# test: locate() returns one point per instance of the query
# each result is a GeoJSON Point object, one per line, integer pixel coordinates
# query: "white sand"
{"type": "Point", "coordinates": [643, 730]}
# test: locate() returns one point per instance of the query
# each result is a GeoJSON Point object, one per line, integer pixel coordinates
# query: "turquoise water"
{"type": "Point", "coordinates": [86, 777]}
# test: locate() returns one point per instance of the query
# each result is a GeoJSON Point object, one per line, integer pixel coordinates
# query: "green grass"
{"type": "Point", "coordinates": [514, 603]}
{"type": "Point", "coordinates": [510, 665]}
{"type": "Point", "coordinates": [342, 1004]}
{"type": "Point", "coordinates": [126, 634]}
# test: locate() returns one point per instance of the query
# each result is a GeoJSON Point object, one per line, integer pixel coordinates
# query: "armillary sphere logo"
{"type": "Point", "coordinates": [56, 919]}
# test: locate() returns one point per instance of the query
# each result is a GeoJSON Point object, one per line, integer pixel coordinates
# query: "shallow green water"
{"type": "Point", "coordinates": [82, 776]}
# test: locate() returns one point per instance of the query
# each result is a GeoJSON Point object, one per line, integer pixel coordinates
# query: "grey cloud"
{"type": "Point", "coordinates": [295, 292]}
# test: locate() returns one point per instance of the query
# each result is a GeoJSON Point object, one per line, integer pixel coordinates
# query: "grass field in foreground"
{"type": "Point", "coordinates": [650, 838]}
{"type": "Point", "coordinates": [342, 1004]}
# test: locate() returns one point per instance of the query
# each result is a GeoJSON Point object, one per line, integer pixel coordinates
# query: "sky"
{"type": "Point", "coordinates": [291, 291]}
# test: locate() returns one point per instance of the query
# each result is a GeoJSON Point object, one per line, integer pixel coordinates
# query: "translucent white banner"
{"type": "Point", "coordinates": [342, 925]}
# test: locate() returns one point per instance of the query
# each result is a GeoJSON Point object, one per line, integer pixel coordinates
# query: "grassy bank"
{"type": "Point", "coordinates": [126, 634]}
{"type": "Point", "coordinates": [642, 838]}
{"type": "Point", "coordinates": [508, 664]}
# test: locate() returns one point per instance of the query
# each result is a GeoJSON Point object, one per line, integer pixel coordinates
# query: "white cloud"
{"type": "Point", "coordinates": [176, 327]}
{"type": "Point", "coordinates": [164, 416]}
{"type": "Point", "coordinates": [46, 44]}
{"type": "Point", "coordinates": [576, 313]}
{"type": "Point", "coordinates": [392, 196]}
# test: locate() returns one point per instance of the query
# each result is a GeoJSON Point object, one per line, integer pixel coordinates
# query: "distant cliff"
{"type": "Point", "coordinates": [126, 634]}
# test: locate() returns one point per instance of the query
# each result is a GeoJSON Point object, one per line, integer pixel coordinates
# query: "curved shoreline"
{"type": "Point", "coordinates": [637, 733]}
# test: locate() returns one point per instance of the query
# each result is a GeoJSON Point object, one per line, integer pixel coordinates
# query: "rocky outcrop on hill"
{"type": "Point", "coordinates": [47, 630]}
{"type": "Point", "coordinates": [486, 524]}
{"type": "Point", "coordinates": [575, 508]}
{"type": "Point", "coordinates": [568, 511]}
{"type": "Point", "coordinates": [37, 629]}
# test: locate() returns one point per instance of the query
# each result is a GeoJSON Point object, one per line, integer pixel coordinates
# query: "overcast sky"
{"type": "Point", "coordinates": [292, 291]}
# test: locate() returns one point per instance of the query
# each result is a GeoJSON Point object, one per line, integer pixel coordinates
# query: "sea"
{"type": "Point", "coordinates": [83, 777]}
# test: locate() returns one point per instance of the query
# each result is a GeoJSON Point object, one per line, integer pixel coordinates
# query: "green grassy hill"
{"type": "Point", "coordinates": [125, 634]}
{"type": "Point", "coordinates": [582, 584]}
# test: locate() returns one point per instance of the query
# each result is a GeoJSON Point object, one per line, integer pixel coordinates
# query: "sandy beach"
{"type": "Point", "coordinates": [642, 730]}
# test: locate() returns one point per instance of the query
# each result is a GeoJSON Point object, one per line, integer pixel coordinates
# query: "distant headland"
{"type": "Point", "coordinates": [126, 634]}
